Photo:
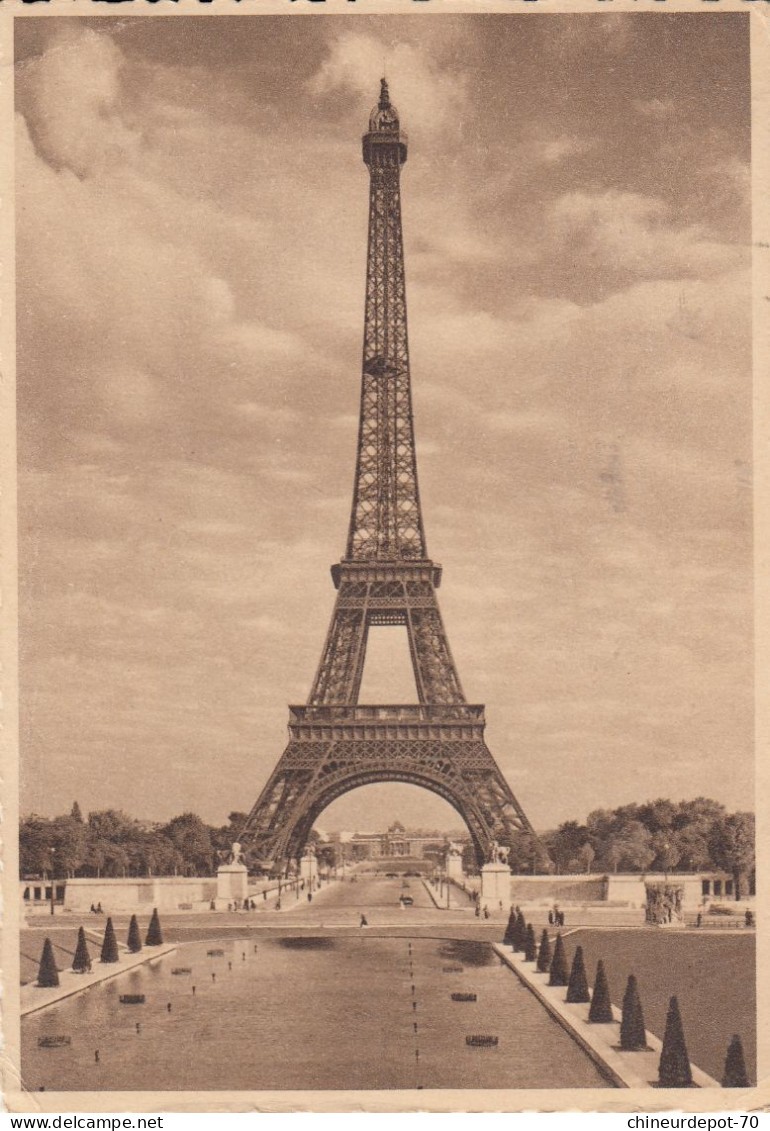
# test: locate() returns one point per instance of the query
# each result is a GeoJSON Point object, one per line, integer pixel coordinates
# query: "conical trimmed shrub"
{"type": "Point", "coordinates": [577, 987]}
{"type": "Point", "coordinates": [601, 1006]}
{"type": "Point", "coordinates": [134, 938]}
{"type": "Point", "coordinates": [521, 930]}
{"type": "Point", "coordinates": [509, 938]}
{"type": "Point", "coordinates": [154, 933]}
{"type": "Point", "coordinates": [544, 953]}
{"type": "Point", "coordinates": [633, 1037]}
{"type": "Point", "coordinates": [735, 1075]}
{"type": "Point", "coordinates": [674, 1070]}
{"type": "Point", "coordinates": [47, 975]}
{"type": "Point", "coordinates": [559, 972]}
{"type": "Point", "coordinates": [81, 963]}
{"type": "Point", "coordinates": [530, 944]}
{"type": "Point", "coordinates": [110, 951]}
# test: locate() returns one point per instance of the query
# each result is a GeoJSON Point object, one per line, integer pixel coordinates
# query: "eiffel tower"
{"type": "Point", "coordinates": [385, 578]}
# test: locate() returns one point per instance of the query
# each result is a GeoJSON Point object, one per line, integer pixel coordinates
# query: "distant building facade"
{"type": "Point", "coordinates": [396, 841]}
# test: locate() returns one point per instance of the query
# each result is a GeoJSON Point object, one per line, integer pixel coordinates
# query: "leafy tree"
{"type": "Point", "coordinates": [613, 854]}
{"type": "Point", "coordinates": [564, 845]}
{"type": "Point", "coordinates": [658, 816]}
{"type": "Point", "coordinates": [192, 840]}
{"type": "Point", "coordinates": [700, 813]}
{"type": "Point", "coordinates": [223, 836]}
{"type": "Point", "coordinates": [732, 848]}
{"type": "Point", "coordinates": [35, 842]}
{"type": "Point", "coordinates": [633, 847]}
{"type": "Point", "coordinates": [586, 855]}
{"type": "Point", "coordinates": [68, 840]}
{"type": "Point", "coordinates": [112, 836]}
{"type": "Point", "coordinates": [157, 856]}
{"type": "Point", "coordinates": [693, 849]}
{"type": "Point", "coordinates": [601, 824]}
{"type": "Point", "coordinates": [665, 845]}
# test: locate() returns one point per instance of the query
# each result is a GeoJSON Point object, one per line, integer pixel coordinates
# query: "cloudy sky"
{"type": "Point", "coordinates": [192, 212]}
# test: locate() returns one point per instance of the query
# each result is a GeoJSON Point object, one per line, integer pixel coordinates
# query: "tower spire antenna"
{"type": "Point", "coordinates": [384, 103]}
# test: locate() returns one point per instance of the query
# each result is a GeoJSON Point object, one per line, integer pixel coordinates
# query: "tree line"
{"type": "Point", "coordinates": [110, 843]}
{"type": "Point", "coordinates": [658, 836]}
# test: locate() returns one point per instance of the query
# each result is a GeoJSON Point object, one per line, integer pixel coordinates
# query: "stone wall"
{"type": "Point", "coordinates": [167, 893]}
{"type": "Point", "coordinates": [552, 889]}
{"type": "Point", "coordinates": [627, 889]}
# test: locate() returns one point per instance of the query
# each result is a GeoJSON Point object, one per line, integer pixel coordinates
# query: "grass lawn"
{"type": "Point", "coordinates": [713, 977]}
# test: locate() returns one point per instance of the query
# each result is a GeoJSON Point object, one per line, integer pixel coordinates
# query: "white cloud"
{"type": "Point", "coordinates": [430, 99]}
{"type": "Point", "coordinates": [635, 235]}
{"type": "Point", "coordinates": [75, 107]}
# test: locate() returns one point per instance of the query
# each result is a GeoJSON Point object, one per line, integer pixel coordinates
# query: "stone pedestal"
{"type": "Point", "coordinates": [454, 868]}
{"type": "Point", "coordinates": [308, 870]}
{"type": "Point", "coordinates": [232, 884]}
{"type": "Point", "coordinates": [495, 886]}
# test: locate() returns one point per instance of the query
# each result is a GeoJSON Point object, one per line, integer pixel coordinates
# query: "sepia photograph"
{"type": "Point", "coordinates": [385, 535]}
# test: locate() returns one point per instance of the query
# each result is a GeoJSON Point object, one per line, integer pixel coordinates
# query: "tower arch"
{"type": "Point", "coordinates": [328, 792]}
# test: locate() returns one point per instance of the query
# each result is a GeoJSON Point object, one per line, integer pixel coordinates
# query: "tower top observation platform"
{"type": "Point", "coordinates": [385, 135]}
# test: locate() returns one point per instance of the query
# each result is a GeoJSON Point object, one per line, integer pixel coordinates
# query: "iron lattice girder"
{"type": "Point", "coordinates": [335, 743]}
{"type": "Point", "coordinates": [310, 775]}
{"type": "Point", "coordinates": [386, 521]}
{"type": "Point", "coordinates": [388, 593]}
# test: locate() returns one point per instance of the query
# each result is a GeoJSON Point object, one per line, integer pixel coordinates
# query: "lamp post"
{"type": "Point", "coordinates": [52, 853]}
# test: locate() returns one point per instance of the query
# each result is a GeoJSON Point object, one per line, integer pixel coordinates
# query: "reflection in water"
{"type": "Point", "coordinates": [307, 943]}
{"type": "Point", "coordinates": [470, 953]}
{"type": "Point", "coordinates": [360, 1012]}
